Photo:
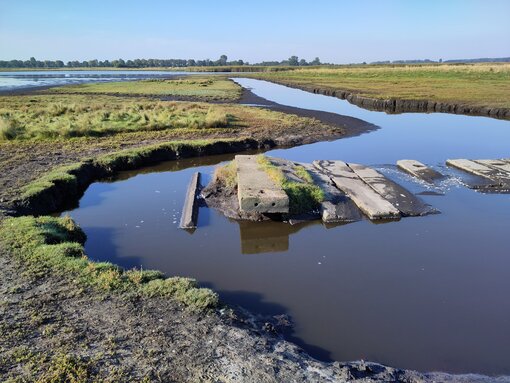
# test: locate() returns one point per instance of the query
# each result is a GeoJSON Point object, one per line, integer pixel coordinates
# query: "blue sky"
{"type": "Point", "coordinates": [336, 31]}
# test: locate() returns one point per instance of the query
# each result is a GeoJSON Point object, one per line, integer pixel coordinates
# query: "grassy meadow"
{"type": "Point", "coordinates": [484, 85]}
{"type": "Point", "coordinates": [196, 87]}
{"type": "Point", "coordinates": [81, 116]}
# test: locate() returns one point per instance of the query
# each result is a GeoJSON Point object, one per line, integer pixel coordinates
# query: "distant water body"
{"type": "Point", "coordinates": [10, 81]}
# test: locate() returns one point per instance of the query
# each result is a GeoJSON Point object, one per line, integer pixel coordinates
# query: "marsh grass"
{"type": "Point", "coordinates": [50, 118]}
{"type": "Point", "coordinates": [303, 196]}
{"type": "Point", "coordinates": [55, 245]}
{"type": "Point", "coordinates": [483, 85]}
{"type": "Point", "coordinates": [198, 87]}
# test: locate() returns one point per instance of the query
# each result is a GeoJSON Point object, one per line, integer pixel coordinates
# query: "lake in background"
{"type": "Point", "coordinates": [31, 79]}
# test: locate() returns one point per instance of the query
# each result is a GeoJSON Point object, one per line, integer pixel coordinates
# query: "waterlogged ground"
{"type": "Point", "coordinates": [428, 293]}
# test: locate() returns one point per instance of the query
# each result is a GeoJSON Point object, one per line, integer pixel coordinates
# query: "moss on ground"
{"type": "Point", "coordinates": [49, 244]}
{"type": "Point", "coordinates": [303, 196]}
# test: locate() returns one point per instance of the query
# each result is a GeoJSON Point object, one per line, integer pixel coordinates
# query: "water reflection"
{"type": "Point", "coordinates": [268, 237]}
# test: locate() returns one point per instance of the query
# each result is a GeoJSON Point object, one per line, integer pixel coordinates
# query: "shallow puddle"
{"type": "Point", "coordinates": [427, 293]}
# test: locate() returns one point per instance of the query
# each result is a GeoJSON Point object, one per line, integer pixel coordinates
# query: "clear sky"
{"type": "Point", "coordinates": [335, 30]}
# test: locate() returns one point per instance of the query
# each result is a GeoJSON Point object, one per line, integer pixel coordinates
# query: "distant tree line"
{"type": "Point", "coordinates": [146, 63]}
{"type": "Point", "coordinates": [222, 61]}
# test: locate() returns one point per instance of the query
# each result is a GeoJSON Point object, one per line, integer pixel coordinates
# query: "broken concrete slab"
{"type": "Point", "coordinates": [257, 192]}
{"type": "Point", "coordinates": [499, 165]}
{"type": "Point", "coordinates": [420, 171]}
{"type": "Point", "coordinates": [189, 215]}
{"type": "Point", "coordinates": [372, 204]}
{"type": "Point", "coordinates": [402, 199]}
{"type": "Point", "coordinates": [497, 179]}
{"type": "Point", "coordinates": [336, 207]}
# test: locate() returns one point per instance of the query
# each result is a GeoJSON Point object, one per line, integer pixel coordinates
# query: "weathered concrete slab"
{"type": "Point", "coordinates": [189, 215]}
{"type": "Point", "coordinates": [501, 166]}
{"type": "Point", "coordinates": [367, 199]}
{"type": "Point", "coordinates": [498, 178]}
{"type": "Point", "coordinates": [336, 207]}
{"type": "Point", "coordinates": [402, 199]}
{"type": "Point", "coordinates": [419, 170]}
{"type": "Point", "coordinates": [256, 191]}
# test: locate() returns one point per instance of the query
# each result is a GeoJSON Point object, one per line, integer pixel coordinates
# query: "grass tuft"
{"type": "Point", "coordinates": [227, 175]}
{"type": "Point", "coordinates": [48, 117]}
{"type": "Point", "coordinates": [303, 196]}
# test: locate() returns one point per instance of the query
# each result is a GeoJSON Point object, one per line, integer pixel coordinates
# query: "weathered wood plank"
{"type": "Point", "coordinates": [419, 170]}
{"type": "Point", "coordinates": [256, 191]}
{"type": "Point", "coordinates": [402, 199]}
{"type": "Point", "coordinates": [189, 215]}
{"type": "Point", "coordinates": [498, 179]}
{"type": "Point", "coordinates": [368, 201]}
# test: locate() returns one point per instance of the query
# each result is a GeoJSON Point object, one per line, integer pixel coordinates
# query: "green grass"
{"type": "Point", "coordinates": [55, 245]}
{"type": "Point", "coordinates": [200, 88]}
{"type": "Point", "coordinates": [482, 85]}
{"type": "Point", "coordinates": [303, 196]}
{"type": "Point", "coordinates": [227, 175]}
{"type": "Point", "coordinates": [50, 117]}
{"type": "Point", "coordinates": [63, 175]}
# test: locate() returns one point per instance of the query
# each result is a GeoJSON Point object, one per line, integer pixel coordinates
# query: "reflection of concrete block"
{"type": "Point", "coordinates": [263, 237]}
{"type": "Point", "coordinates": [256, 191]}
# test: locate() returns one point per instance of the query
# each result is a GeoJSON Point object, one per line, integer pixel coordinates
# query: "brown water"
{"type": "Point", "coordinates": [427, 293]}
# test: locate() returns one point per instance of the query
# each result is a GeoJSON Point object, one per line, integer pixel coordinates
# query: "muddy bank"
{"type": "Point", "coordinates": [63, 193]}
{"type": "Point", "coordinates": [352, 126]}
{"type": "Point", "coordinates": [400, 106]}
